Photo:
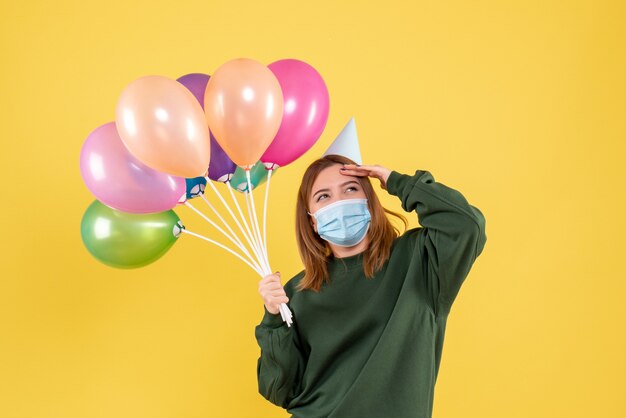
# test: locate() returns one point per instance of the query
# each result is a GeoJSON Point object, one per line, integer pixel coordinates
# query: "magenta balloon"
{"type": "Point", "coordinates": [305, 113]}
{"type": "Point", "coordinates": [121, 181]}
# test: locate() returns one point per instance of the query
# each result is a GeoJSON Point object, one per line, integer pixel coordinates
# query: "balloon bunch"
{"type": "Point", "coordinates": [172, 139]}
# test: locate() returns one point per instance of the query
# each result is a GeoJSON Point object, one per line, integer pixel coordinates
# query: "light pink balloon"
{"type": "Point", "coordinates": [121, 181]}
{"type": "Point", "coordinates": [163, 125]}
{"type": "Point", "coordinates": [306, 105]}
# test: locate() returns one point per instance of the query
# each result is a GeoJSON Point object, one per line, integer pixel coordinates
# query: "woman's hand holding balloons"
{"type": "Point", "coordinates": [173, 138]}
{"type": "Point", "coordinates": [272, 292]}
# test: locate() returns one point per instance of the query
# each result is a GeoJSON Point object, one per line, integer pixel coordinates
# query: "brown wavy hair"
{"type": "Point", "coordinates": [315, 252]}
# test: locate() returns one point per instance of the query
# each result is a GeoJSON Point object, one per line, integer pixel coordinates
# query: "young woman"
{"type": "Point", "coordinates": [370, 306]}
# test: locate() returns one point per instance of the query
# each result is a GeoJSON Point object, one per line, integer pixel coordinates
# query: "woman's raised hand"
{"type": "Point", "coordinates": [376, 171]}
{"type": "Point", "coordinates": [272, 292]}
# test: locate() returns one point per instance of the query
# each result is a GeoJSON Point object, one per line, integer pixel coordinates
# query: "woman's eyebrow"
{"type": "Point", "coordinates": [341, 185]}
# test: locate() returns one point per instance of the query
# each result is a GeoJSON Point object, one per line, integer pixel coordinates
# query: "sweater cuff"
{"type": "Point", "coordinates": [271, 320]}
{"type": "Point", "coordinates": [395, 181]}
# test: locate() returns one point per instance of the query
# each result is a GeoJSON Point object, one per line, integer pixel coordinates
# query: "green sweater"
{"type": "Point", "coordinates": [371, 348]}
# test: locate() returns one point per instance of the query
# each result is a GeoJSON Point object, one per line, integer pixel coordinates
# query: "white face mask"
{"type": "Point", "coordinates": [344, 223]}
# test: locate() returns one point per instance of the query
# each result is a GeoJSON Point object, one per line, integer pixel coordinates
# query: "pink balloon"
{"type": "Point", "coordinates": [121, 181]}
{"type": "Point", "coordinates": [305, 113]}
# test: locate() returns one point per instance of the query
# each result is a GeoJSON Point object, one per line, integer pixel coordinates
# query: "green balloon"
{"type": "Point", "coordinates": [128, 240]}
{"type": "Point", "coordinates": [258, 175]}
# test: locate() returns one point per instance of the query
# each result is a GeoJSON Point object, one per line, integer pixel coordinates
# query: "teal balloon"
{"type": "Point", "coordinates": [258, 175]}
{"type": "Point", "coordinates": [127, 240]}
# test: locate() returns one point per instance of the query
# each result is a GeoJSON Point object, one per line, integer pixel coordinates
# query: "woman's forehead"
{"type": "Point", "coordinates": [330, 177]}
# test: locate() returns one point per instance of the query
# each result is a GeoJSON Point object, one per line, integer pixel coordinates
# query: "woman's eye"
{"type": "Point", "coordinates": [320, 197]}
{"type": "Point", "coordinates": [353, 188]}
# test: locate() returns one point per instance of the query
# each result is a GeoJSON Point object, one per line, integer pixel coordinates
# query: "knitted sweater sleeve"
{"type": "Point", "coordinates": [281, 364]}
{"type": "Point", "coordinates": [451, 237]}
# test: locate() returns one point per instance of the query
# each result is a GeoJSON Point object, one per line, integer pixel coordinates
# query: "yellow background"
{"type": "Point", "coordinates": [519, 105]}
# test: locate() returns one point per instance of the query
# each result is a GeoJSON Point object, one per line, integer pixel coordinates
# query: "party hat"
{"type": "Point", "coordinates": [346, 143]}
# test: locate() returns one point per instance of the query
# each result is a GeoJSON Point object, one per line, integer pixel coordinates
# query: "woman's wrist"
{"type": "Point", "coordinates": [271, 320]}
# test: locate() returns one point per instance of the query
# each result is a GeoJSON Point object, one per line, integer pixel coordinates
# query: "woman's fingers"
{"type": "Point", "coordinates": [376, 171]}
{"type": "Point", "coordinates": [362, 167]}
{"type": "Point", "coordinates": [361, 173]}
{"type": "Point", "coordinates": [267, 282]}
{"type": "Point", "coordinates": [270, 300]}
{"type": "Point", "coordinates": [273, 303]}
{"type": "Point", "coordinates": [272, 278]}
{"type": "Point", "coordinates": [272, 292]}
{"type": "Point", "coordinates": [355, 172]}
{"type": "Point", "coordinates": [273, 286]}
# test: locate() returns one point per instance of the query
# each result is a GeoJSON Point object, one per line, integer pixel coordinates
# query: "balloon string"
{"type": "Point", "coordinates": [216, 226]}
{"type": "Point", "coordinates": [284, 310]}
{"type": "Point", "coordinates": [257, 250]}
{"type": "Point", "coordinates": [227, 206]}
{"type": "Point", "coordinates": [256, 224]}
{"type": "Point", "coordinates": [263, 261]}
{"type": "Point", "coordinates": [267, 189]}
{"type": "Point", "coordinates": [241, 245]}
{"type": "Point", "coordinates": [286, 314]}
{"type": "Point", "coordinates": [185, 231]}
{"type": "Point", "coordinates": [258, 236]}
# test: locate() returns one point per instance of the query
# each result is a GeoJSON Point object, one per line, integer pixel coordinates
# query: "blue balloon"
{"type": "Point", "coordinates": [195, 187]}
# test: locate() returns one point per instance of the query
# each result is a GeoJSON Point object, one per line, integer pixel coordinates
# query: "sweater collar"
{"type": "Point", "coordinates": [350, 262]}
